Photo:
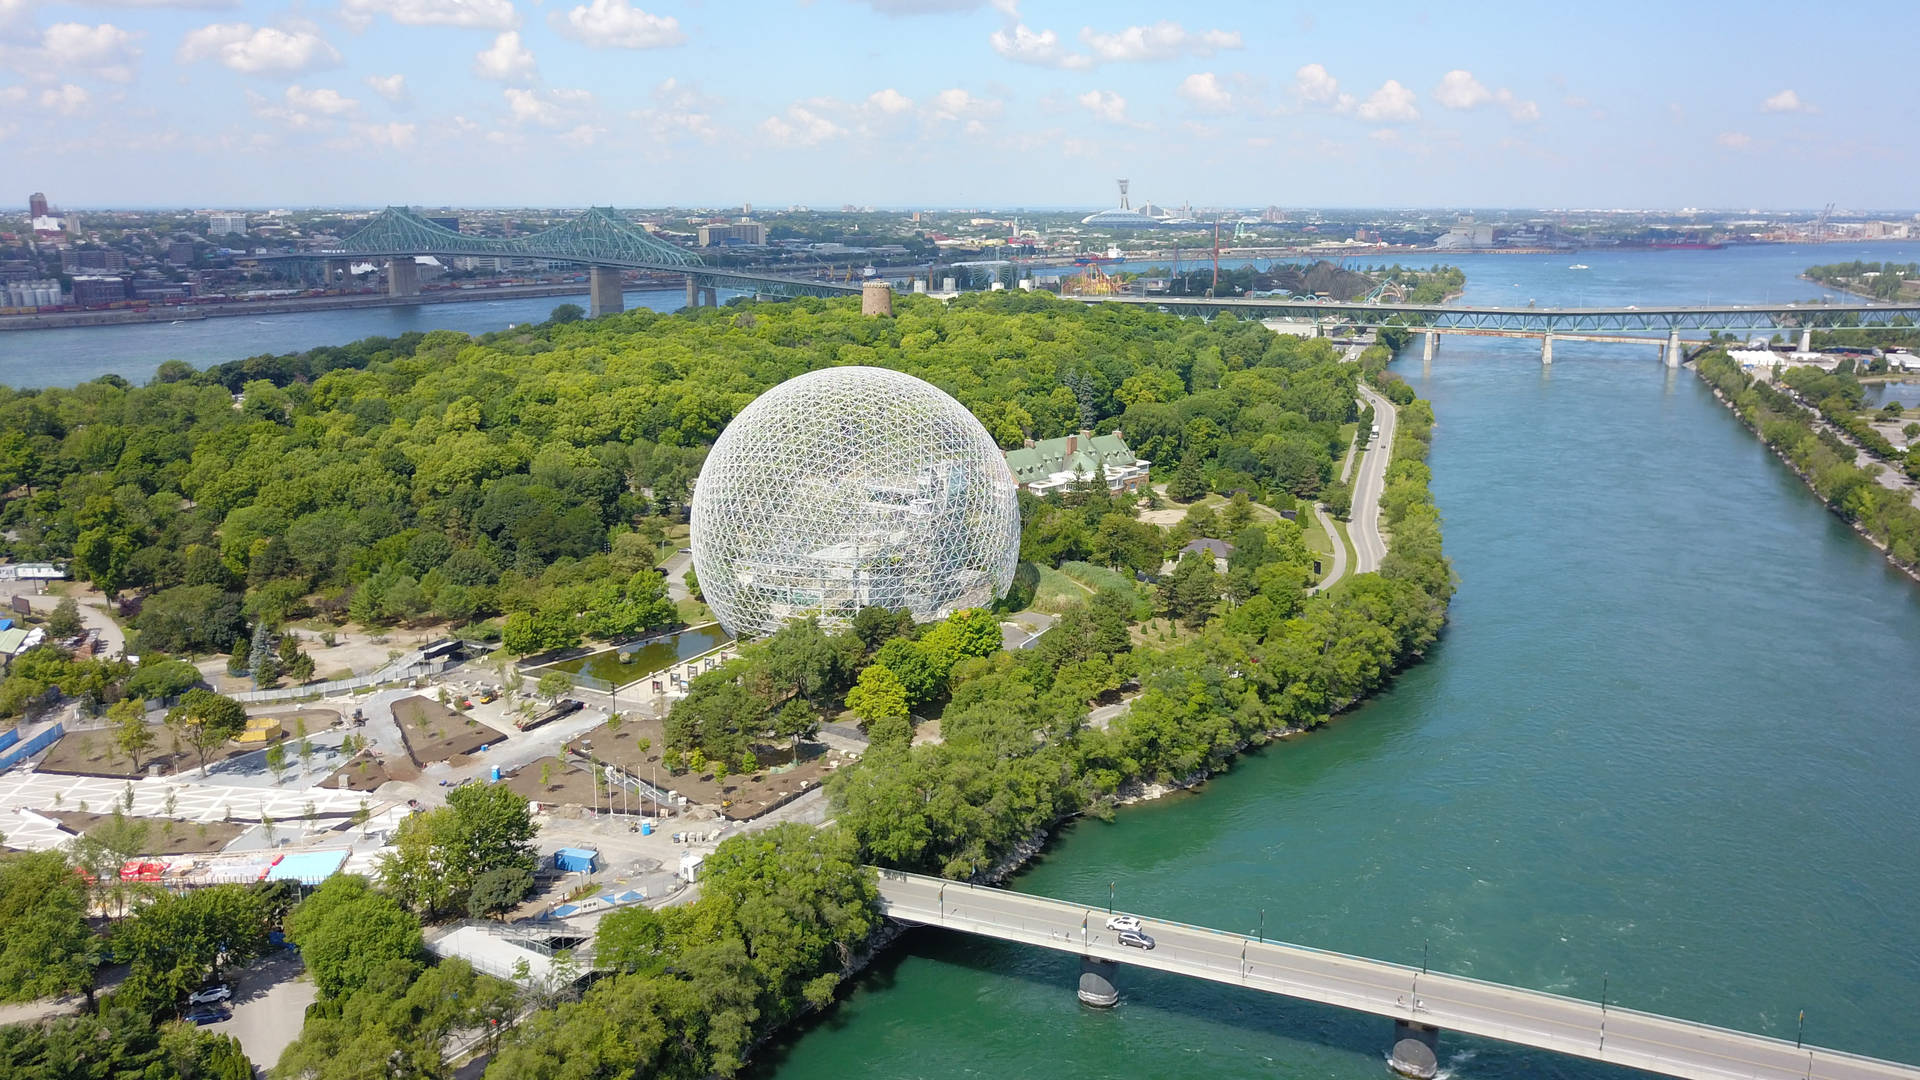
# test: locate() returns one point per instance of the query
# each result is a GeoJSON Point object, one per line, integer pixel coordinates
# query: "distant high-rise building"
{"type": "Point", "coordinates": [37, 205]}
{"type": "Point", "coordinates": [226, 225]}
{"type": "Point", "coordinates": [740, 232]}
{"type": "Point", "coordinates": [451, 224]}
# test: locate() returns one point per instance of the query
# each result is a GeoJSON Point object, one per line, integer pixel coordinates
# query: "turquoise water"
{"type": "Point", "coordinates": [1666, 744]}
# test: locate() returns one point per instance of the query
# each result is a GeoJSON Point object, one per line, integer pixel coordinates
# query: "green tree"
{"type": "Point", "coordinates": [130, 731]}
{"type": "Point", "coordinates": [276, 760]}
{"type": "Point", "coordinates": [498, 890]}
{"type": "Point", "coordinates": [46, 947]}
{"type": "Point", "coordinates": [205, 720]}
{"type": "Point", "coordinates": [160, 679]}
{"type": "Point", "coordinates": [347, 932]}
{"type": "Point", "coordinates": [177, 940]}
{"type": "Point", "coordinates": [567, 313]}
{"type": "Point", "coordinates": [1189, 593]}
{"type": "Point", "coordinates": [438, 855]}
{"type": "Point", "coordinates": [1338, 497]}
{"type": "Point", "coordinates": [64, 621]}
{"type": "Point", "coordinates": [555, 685]}
{"type": "Point", "coordinates": [878, 695]}
{"type": "Point", "coordinates": [1189, 481]}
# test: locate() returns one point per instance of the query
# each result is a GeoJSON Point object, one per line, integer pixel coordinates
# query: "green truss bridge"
{"type": "Point", "coordinates": [601, 239]}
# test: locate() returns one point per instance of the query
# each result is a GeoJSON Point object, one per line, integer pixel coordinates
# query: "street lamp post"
{"type": "Point", "coordinates": [1263, 926]}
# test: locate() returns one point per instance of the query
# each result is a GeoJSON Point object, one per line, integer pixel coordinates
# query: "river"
{"type": "Point", "coordinates": [1664, 750]}
{"type": "Point", "coordinates": [69, 355]}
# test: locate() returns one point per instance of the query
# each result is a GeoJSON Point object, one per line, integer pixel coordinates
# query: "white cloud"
{"type": "Point", "coordinates": [397, 136]}
{"type": "Point", "coordinates": [325, 102]}
{"type": "Point", "coordinates": [104, 50]}
{"type": "Point", "coordinates": [1391, 104]}
{"type": "Point", "coordinates": [1204, 91]}
{"type": "Point", "coordinates": [66, 100]}
{"type": "Point", "coordinates": [1315, 84]}
{"type": "Point", "coordinates": [1786, 101]}
{"type": "Point", "coordinates": [13, 95]}
{"type": "Point", "coordinates": [1734, 140]}
{"type": "Point", "coordinates": [1024, 46]}
{"type": "Point", "coordinates": [506, 60]}
{"type": "Point", "coordinates": [204, 5]}
{"type": "Point", "coordinates": [1164, 40]}
{"type": "Point", "coordinates": [549, 108]}
{"type": "Point", "coordinates": [263, 50]}
{"type": "Point", "coordinates": [680, 112]}
{"type": "Point", "coordinates": [1385, 135]}
{"type": "Point", "coordinates": [890, 102]}
{"type": "Point", "coordinates": [1105, 104]}
{"type": "Point", "coordinates": [929, 7]}
{"type": "Point", "coordinates": [479, 14]}
{"type": "Point", "coordinates": [618, 24]}
{"type": "Point", "coordinates": [12, 11]}
{"type": "Point", "coordinates": [581, 135]}
{"type": "Point", "coordinates": [800, 126]}
{"type": "Point", "coordinates": [957, 104]}
{"type": "Point", "coordinates": [391, 87]}
{"type": "Point", "coordinates": [1458, 89]}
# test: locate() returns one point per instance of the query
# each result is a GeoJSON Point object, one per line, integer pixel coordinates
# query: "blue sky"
{"type": "Point", "coordinates": [953, 103]}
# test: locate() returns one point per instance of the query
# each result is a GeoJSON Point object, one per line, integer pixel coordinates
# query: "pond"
{"type": "Point", "coordinates": [608, 665]}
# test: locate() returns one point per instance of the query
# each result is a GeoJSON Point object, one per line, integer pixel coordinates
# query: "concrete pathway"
{"type": "Point", "coordinates": [1339, 552]}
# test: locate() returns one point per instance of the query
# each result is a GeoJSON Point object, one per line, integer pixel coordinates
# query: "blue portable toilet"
{"type": "Point", "coordinates": [496, 774]}
{"type": "Point", "coordinates": [646, 828]}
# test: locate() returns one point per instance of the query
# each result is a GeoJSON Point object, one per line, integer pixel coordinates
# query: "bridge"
{"type": "Point", "coordinates": [1419, 1002]}
{"type": "Point", "coordinates": [1549, 324]}
{"type": "Point", "coordinates": [601, 238]}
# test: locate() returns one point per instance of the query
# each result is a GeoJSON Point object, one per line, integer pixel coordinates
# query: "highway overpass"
{"type": "Point", "coordinates": [1420, 1003]}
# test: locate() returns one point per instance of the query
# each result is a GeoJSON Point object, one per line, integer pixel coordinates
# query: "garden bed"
{"type": "Point", "coordinates": [741, 796]}
{"type": "Point", "coordinates": [433, 732]}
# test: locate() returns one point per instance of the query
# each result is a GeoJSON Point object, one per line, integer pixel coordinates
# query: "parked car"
{"type": "Point", "coordinates": [210, 995]}
{"type": "Point", "coordinates": [209, 1014]}
{"type": "Point", "coordinates": [1123, 922]}
{"type": "Point", "coordinates": [1136, 939]}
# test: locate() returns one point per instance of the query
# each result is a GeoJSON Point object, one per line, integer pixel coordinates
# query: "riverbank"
{"type": "Point", "coordinates": [287, 306]}
{"type": "Point", "coordinates": [1893, 547]}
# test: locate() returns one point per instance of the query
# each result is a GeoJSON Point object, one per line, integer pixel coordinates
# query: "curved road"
{"type": "Point", "coordinates": [1449, 1002]}
{"type": "Point", "coordinates": [1370, 548]}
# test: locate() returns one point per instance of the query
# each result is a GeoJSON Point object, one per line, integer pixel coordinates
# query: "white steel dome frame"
{"type": "Point", "coordinates": [851, 487]}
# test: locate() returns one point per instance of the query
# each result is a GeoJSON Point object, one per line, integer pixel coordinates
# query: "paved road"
{"type": "Point", "coordinates": [93, 616]}
{"type": "Point", "coordinates": [1370, 548]}
{"type": "Point", "coordinates": [1449, 1002]}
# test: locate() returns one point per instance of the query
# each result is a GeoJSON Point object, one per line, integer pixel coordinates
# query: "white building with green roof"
{"type": "Point", "coordinates": [1055, 464]}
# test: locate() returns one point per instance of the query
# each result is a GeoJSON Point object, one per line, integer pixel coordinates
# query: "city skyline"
{"type": "Point", "coordinates": [929, 103]}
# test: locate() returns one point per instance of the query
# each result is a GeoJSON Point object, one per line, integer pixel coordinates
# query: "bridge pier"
{"type": "Point", "coordinates": [710, 297]}
{"type": "Point", "coordinates": [1676, 354]}
{"type": "Point", "coordinates": [1416, 1050]}
{"type": "Point", "coordinates": [403, 276]}
{"type": "Point", "coordinates": [604, 296]}
{"type": "Point", "coordinates": [1806, 339]}
{"type": "Point", "coordinates": [1096, 983]}
{"type": "Point", "coordinates": [1433, 342]}
{"type": "Point", "coordinates": [1546, 349]}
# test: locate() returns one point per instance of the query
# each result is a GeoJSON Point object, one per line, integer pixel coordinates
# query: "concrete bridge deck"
{"type": "Point", "coordinates": [1419, 1002]}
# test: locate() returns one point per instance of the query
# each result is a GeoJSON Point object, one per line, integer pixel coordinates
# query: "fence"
{"type": "Point", "coordinates": [16, 754]}
{"type": "Point", "coordinates": [337, 686]}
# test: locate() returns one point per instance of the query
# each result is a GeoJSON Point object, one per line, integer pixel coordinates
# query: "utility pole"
{"type": "Point", "coordinates": [1216, 257]}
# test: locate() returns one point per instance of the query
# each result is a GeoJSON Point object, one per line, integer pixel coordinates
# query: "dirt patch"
{"type": "Point", "coordinates": [741, 796]}
{"type": "Point", "coordinates": [434, 732]}
{"type": "Point", "coordinates": [366, 773]}
{"type": "Point", "coordinates": [94, 753]}
{"type": "Point", "coordinates": [564, 785]}
{"type": "Point", "coordinates": [165, 836]}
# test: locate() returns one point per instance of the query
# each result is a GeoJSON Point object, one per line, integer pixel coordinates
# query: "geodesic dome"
{"type": "Point", "coordinates": [852, 487]}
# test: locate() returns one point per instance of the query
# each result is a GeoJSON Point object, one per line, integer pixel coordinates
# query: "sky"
{"type": "Point", "coordinates": [943, 103]}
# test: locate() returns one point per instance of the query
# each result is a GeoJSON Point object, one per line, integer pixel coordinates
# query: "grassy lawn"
{"type": "Point", "coordinates": [1346, 541]}
{"type": "Point", "coordinates": [1057, 592]}
{"type": "Point", "coordinates": [1346, 436]}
